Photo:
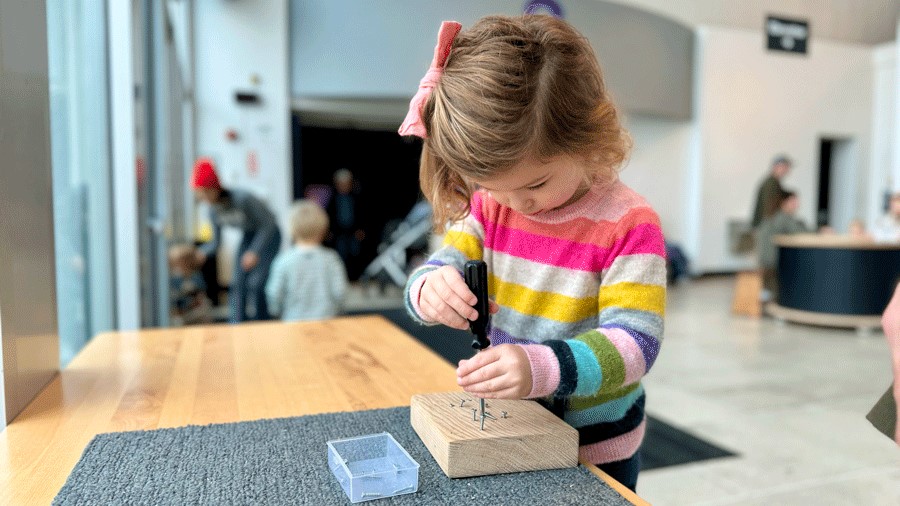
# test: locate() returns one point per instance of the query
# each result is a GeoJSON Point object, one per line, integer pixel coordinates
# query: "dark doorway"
{"type": "Point", "coordinates": [838, 183]}
{"type": "Point", "coordinates": [825, 146]}
{"type": "Point", "coordinates": [384, 165]}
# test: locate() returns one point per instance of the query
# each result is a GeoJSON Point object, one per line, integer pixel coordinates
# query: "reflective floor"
{"type": "Point", "coordinates": [790, 400]}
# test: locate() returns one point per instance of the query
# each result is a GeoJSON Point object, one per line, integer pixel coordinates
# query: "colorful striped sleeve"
{"type": "Point", "coordinates": [624, 346]}
{"type": "Point", "coordinates": [463, 241]}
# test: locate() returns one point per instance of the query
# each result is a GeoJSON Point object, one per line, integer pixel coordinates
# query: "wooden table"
{"type": "Point", "coordinates": [199, 375]}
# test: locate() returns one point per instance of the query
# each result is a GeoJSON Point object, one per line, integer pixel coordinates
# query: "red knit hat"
{"type": "Point", "coordinates": [205, 175]}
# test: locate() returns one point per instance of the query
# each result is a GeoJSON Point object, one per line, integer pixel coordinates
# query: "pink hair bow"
{"type": "Point", "coordinates": [413, 125]}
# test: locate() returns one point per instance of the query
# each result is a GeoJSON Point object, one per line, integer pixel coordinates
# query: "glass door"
{"type": "Point", "coordinates": [80, 151]}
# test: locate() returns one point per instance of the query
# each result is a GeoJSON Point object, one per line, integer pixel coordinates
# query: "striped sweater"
{"type": "Point", "coordinates": [582, 290]}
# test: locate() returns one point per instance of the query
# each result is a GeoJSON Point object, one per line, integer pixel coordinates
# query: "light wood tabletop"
{"type": "Point", "coordinates": [153, 379]}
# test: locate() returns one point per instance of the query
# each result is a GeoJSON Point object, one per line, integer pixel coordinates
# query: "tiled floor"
{"type": "Point", "coordinates": [790, 400]}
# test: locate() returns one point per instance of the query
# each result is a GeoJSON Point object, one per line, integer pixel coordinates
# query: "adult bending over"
{"type": "Point", "coordinates": [259, 244]}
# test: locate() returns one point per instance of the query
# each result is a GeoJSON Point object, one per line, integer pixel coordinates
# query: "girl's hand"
{"type": "Point", "coordinates": [445, 298]}
{"type": "Point", "coordinates": [498, 372]}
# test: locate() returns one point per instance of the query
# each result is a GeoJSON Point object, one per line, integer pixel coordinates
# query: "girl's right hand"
{"type": "Point", "coordinates": [445, 298]}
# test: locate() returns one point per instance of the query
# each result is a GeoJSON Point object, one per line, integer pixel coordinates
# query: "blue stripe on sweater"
{"type": "Point", "coordinates": [590, 377]}
{"type": "Point", "coordinates": [606, 412]}
{"type": "Point", "coordinates": [597, 432]}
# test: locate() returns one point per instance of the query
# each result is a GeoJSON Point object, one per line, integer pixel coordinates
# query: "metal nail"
{"type": "Point", "coordinates": [482, 421]}
{"type": "Point", "coordinates": [474, 412]}
{"type": "Point", "coordinates": [503, 414]}
{"type": "Point", "coordinates": [487, 414]}
{"type": "Point", "coordinates": [370, 494]}
{"type": "Point", "coordinates": [462, 403]}
{"type": "Point", "coordinates": [401, 490]}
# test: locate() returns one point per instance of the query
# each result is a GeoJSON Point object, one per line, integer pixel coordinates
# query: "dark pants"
{"type": "Point", "coordinates": [248, 289]}
{"type": "Point", "coordinates": [624, 471]}
{"type": "Point", "coordinates": [770, 283]}
{"type": "Point", "coordinates": [348, 247]}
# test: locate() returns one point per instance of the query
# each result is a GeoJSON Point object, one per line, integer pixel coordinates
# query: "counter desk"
{"type": "Point", "coordinates": [834, 280]}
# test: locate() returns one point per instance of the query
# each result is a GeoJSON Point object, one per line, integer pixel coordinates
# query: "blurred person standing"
{"type": "Point", "coordinates": [770, 191]}
{"type": "Point", "coordinates": [783, 222]}
{"type": "Point", "coordinates": [308, 281]}
{"type": "Point", "coordinates": [346, 217]}
{"type": "Point", "coordinates": [887, 227]}
{"type": "Point", "coordinates": [260, 242]}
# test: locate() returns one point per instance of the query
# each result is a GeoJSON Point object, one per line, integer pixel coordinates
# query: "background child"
{"type": "Point", "coordinates": [308, 281]}
{"type": "Point", "coordinates": [521, 147]}
{"type": "Point", "coordinates": [187, 288]}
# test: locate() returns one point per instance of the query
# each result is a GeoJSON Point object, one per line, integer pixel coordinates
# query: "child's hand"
{"type": "Point", "coordinates": [445, 298]}
{"type": "Point", "coordinates": [498, 372]}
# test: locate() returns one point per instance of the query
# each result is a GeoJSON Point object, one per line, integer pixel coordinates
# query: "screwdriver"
{"type": "Point", "coordinates": [475, 273]}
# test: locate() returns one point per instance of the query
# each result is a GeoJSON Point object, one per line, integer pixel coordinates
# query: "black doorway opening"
{"type": "Point", "coordinates": [384, 165]}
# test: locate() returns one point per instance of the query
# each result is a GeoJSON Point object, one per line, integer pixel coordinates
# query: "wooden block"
{"type": "Point", "coordinates": [529, 439]}
{"type": "Point", "coordinates": [747, 287]}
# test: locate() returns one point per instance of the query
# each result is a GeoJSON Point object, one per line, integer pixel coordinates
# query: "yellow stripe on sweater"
{"type": "Point", "coordinates": [625, 295]}
{"type": "Point", "coordinates": [466, 243]}
{"type": "Point", "coordinates": [552, 306]}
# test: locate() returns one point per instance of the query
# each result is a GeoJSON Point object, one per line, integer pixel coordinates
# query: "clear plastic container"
{"type": "Point", "coordinates": [372, 467]}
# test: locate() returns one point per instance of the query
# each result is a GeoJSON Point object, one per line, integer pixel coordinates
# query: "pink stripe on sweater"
{"type": "Point", "coordinates": [643, 239]}
{"type": "Point", "coordinates": [544, 370]}
{"type": "Point", "coordinates": [635, 365]}
{"type": "Point", "coordinates": [617, 198]}
{"type": "Point", "coordinates": [581, 230]}
{"type": "Point", "coordinates": [617, 448]}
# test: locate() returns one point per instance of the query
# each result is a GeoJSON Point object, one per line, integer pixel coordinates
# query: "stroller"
{"type": "Point", "coordinates": [410, 233]}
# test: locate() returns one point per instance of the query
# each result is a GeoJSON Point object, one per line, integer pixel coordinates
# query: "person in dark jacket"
{"type": "Point", "coordinates": [783, 222]}
{"type": "Point", "coordinates": [346, 216]}
{"type": "Point", "coordinates": [260, 242]}
{"type": "Point", "coordinates": [768, 197]}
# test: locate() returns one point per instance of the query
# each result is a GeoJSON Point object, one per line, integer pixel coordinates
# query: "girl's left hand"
{"type": "Point", "coordinates": [498, 372]}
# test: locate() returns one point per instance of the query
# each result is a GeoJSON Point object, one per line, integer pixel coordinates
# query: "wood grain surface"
{"type": "Point", "coordinates": [529, 439]}
{"type": "Point", "coordinates": [831, 242]}
{"type": "Point", "coordinates": [213, 374]}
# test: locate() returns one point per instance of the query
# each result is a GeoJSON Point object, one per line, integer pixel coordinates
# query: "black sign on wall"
{"type": "Point", "coordinates": [789, 35]}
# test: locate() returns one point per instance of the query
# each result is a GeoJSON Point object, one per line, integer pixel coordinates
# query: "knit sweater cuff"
{"type": "Point", "coordinates": [544, 370]}
{"type": "Point", "coordinates": [415, 290]}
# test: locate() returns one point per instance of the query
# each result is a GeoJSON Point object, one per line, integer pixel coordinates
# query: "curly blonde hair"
{"type": "Point", "coordinates": [515, 88]}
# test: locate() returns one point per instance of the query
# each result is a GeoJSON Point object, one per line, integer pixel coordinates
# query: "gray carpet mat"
{"type": "Point", "coordinates": [284, 461]}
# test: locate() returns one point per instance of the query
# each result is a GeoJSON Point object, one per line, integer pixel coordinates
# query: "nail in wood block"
{"type": "Point", "coordinates": [530, 438]}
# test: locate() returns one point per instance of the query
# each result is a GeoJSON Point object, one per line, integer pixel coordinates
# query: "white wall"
{"type": "Point", "coordinates": [379, 50]}
{"type": "Point", "coordinates": [658, 169]}
{"type": "Point", "coordinates": [234, 41]}
{"type": "Point", "coordinates": [753, 104]}
{"type": "Point", "coordinates": [885, 174]}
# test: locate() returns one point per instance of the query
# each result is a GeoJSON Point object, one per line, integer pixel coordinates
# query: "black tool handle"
{"type": "Point", "coordinates": [475, 272]}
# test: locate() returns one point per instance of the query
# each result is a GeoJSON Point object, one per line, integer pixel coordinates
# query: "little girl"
{"type": "Point", "coordinates": [521, 149]}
